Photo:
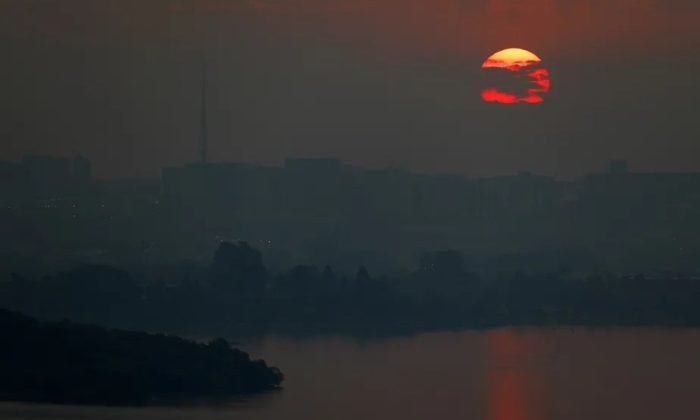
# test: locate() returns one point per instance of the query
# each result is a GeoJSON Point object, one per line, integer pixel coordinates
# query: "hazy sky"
{"type": "Point", "coordinates": [375, 82]}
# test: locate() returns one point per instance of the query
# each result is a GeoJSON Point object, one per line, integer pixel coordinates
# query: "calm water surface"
{"type": "Point", "coordinates": [507, 374]}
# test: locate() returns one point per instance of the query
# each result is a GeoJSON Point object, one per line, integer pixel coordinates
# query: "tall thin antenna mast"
{"type": "Point", "coordinates": [131, 144]}
{"type": "Point", "coordinates": [198, 29]}
{"type": "Point", "coordinates": [204, 134]}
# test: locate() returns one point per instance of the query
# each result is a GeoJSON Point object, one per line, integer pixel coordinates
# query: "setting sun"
{"type": "Point", "coordinates": [513, 76]}
{"type": "Point", "coordinates": [511, 57]}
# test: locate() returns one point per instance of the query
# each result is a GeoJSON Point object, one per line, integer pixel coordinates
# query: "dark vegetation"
{"type": "Point", "coordinates": [81, 364]}
{"type": "Point", "coordinates": [236, 295]}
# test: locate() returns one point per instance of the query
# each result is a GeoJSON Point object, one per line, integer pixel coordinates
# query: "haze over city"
{"type": "Point", "coordinates": [375, 83]}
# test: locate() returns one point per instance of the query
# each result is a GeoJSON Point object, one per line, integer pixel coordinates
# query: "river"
{"type": "Point", "coordinates": [504, 374]}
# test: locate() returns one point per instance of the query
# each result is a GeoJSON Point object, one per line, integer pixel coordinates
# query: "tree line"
{"type": "Point", "coordinates": [235, 294]}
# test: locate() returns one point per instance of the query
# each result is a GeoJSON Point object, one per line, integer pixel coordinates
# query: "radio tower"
{"type": "Point", "coordinates": [204, 134]}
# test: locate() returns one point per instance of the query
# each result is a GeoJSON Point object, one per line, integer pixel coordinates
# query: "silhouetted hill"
{"type": "Point", "coordinates": [82, 364]}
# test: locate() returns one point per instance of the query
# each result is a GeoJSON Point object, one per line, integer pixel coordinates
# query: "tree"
{"type": "Point", "coordinates": [238, 269]}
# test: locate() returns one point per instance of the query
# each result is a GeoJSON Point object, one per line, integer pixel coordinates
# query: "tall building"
{"type": "Point", "coordinates": [618, 167]}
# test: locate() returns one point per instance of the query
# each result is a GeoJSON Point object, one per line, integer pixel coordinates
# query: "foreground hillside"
{"type": "Point", "coordinates": [80, 364]}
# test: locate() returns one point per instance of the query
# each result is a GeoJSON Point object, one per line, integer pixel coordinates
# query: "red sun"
{"type": "Point", "coordinates": [515, 76]}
